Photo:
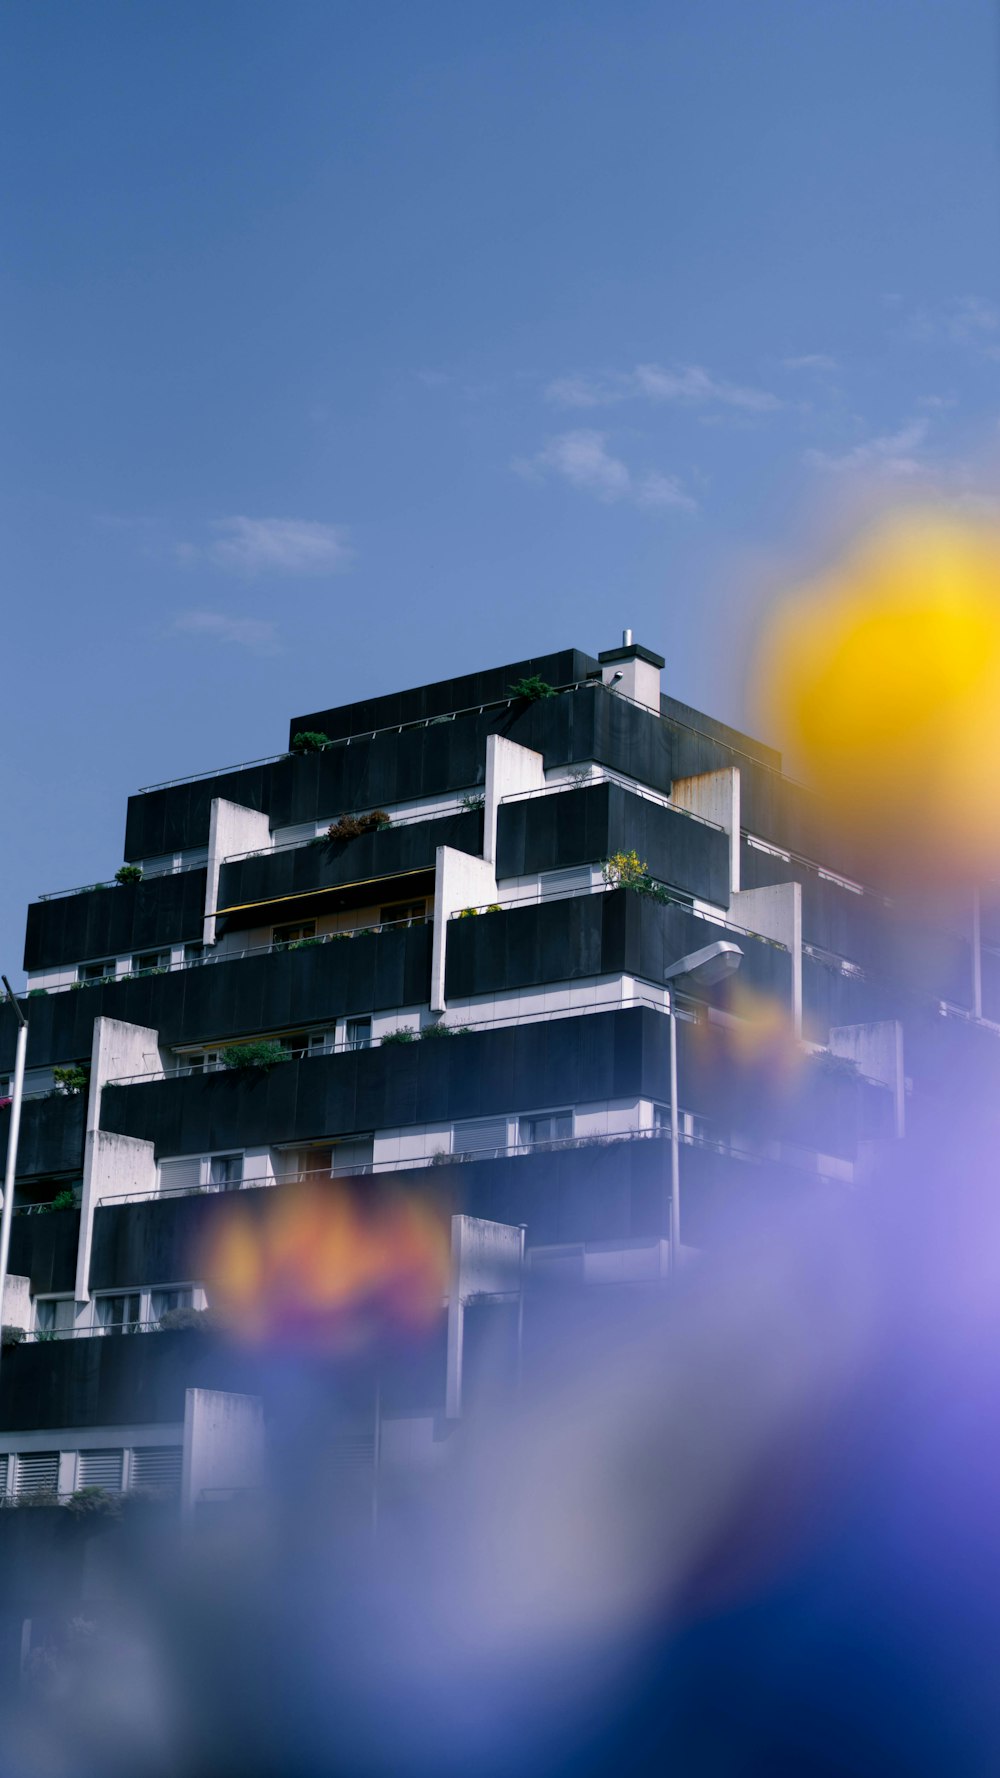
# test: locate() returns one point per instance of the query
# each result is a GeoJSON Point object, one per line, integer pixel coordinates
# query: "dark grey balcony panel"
{"type": "Point", "coordinates": [696, 731]}
{"type": "Point", "coordinates": [134, 1379]}
{"type": "Point", "coordinates": [831, 998]}
{"type": "Point", "coordinates": [444, 696]}
{"type": "Point", "coordinates": [816, 1104]}
{"type": "Point", "coordinates": [370, 858]}
{"type": "Point", "coordinates": [51, 1139]}
{"type": "Point", "coordinates": [616, 933]}
{"type": "Point", "coordinates": [563, 1061]}
{"type": "Point", "coordinates": [269, 991]}
{"type": "Point", "coordinates": [587, 825]}
{"type": "Point", "coordinates": [393, 767]}
{"type": "Point", "coordinates": [112, 922]}
{"type": "Point", "coordinates": [43, 1248]}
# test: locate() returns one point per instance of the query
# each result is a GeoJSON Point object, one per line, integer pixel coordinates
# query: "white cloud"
{"type": "Point", "coordinates": [810, 361]}
{"type": "Point", "coordinates": [891, 454]}
{"type": "Point", "coordinates": [278, 546]}
{"type": "Point", "coordinates": [688, 385]}
{"type": "Point", "coordinates": [254, 633]}
{"type": "Point", "coordinates": [582, 458]}
{"type": "Point", "coordinates": [969, 321]}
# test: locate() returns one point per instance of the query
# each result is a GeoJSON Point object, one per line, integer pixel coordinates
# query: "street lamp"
{"type": "Point", "coordinates": [700, 969]}
{"type": "Point", "coordinates": [17, 1096]}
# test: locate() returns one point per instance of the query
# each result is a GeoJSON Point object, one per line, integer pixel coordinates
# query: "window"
{"type": "Point", "coordinates": [180, 1176]}
{"type": "Point", "coordinates": [161, 1302]}
{"type": "Point", "coordinates": [410, 913]}
{"type": "Point", "coordinates": [225, 1172]}
{"type": "Point", "coordinates": [200, 1061]}
{"type": "Point", "coordinates": [156, 1466]}
{"type": "Point", "coordinates": [545, 1126]}
{"type": "Point", "coordinates": [100, 1469]}
{"type": "Point", "coordinates": [118, 1314]}
{"type": "Point", "coordinates": [54, 1314]}
{"type": "Point", "coordinates": [96, 972]}
{"type": "Point", "coordinates": [148, 960]}
{"type": "Point", "coordinates": [36, 1472]}
{"type": "Point", "coordinates": [290, 935]}
{"type": "Point", "coordinates": [358, 1033]}
{"type": "Point", "coordinates": [194, 952]}
{"type": "Point", "coordinates": [480, 1136]}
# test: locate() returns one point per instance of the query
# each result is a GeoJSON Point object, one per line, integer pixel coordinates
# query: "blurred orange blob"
{"type": "Point", "coordinates": [321, 1264]}
{"type": "Point", "coordinates": [882, 681]}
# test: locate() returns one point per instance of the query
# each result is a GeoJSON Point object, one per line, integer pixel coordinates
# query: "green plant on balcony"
{"type": "Point", "coordinates": [11, 1335]}
{"type": "Point", "coordinates": [442, 1031]}
{"type": "Point", "coordinates": [532, 688]}
{"type": "Point", "coordinates": [309, 741]}
{"type": "Point", "coordinates": [75, 1079]}
{"type": "Point", "coordinates": [492, 907]}
{"type": "Point", "coordinates": [402, 1034]}
{"type": "Point", "coordinates": [64, 1200]}
{"type": "Point", "coordinates": [350, 827]}
{"type": "Point", "coordinates": [95, 1502]}
{"type": "Point", "coordinates": [626, 870]}
{"type": "Point", "coordinates": [189, 1321]}
{"type": "Point", "coordinates": [128, 873]}
{"type": "Point", "coordinates": [473, 802]}
{"type": "Point", "coordinates": [301, 944]}
{"type": "Point", "coordinates": [37, 993]}
{"type": "Point", "coordinates": [262, 1055]}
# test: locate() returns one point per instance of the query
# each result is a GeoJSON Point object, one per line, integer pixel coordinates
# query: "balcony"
{"type": "Point", "coordinates": [331, 876]}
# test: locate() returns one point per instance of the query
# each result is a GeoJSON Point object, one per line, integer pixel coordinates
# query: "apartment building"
{"type": "Point", "coordinates": [450, 915]}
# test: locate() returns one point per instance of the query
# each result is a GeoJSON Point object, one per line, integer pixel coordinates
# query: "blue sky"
{"type": "Point", "coordinates": [346, 346]}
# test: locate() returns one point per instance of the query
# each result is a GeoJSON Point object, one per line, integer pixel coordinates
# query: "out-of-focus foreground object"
{"type": "Point", "coordinates": [881, 679]}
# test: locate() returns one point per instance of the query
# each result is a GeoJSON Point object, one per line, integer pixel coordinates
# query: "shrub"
{"type": "Point", "coordinates": [71, 1080]}
{"type": "Point", "coordinates": [474, 802]}
{"type": "Point", "coordinates": [64, 1200]}
{"type": "Point", "coordinates": [38, 1497]}
{"type": "Point", "coordinates": [470, 913]}
{"type": "Point", "coordinates": [532, 688]}
{"type": "Point", "coordinates": [442, 1031]}
{"type": "Point", "coordinates": [188, 1321]}
{"type": "Point", "coordinates": [128, 873]}
{"type": "Point", "coordinates": [302, 944]}
{"type": "Point", "coordinates": [264, 1054]}
{"type": "Point", "coordinates": [35, 993]}
{"type": "Point", "coordinates": [10, 1335]}
{"type": "Point", "coordinates": [402, 1034]}
{"type": "Point", "coordinates": [101, 1501]}
{"type": "Point", "coordinates": [309, 741]}
{"type": "Point", "coordinates": [349, 827]}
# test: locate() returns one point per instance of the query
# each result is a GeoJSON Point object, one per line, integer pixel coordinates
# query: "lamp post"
{"type": "Point", "coordinates": [701, 969]}
{"type": "Point", "coordinates": [17, 1096]}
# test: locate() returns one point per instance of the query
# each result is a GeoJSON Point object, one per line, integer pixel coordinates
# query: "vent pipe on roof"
{"type": "Point", "coordinates": [626, 638]}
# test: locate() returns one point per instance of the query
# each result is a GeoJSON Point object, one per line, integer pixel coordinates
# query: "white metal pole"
{"type": "Point", "coordinates": [15, 1125]}
{"type": "Point", "coordinates": [675, 1153]}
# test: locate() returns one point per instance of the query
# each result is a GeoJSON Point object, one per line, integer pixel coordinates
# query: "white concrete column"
{"type": "Point", "coordinates": [17, 1301]}
{"type": "Point", "coordinates": [510, 769]}
{"type": "Point", "coordinates": [776, 912]}
{"type": "Point", "coordinates": [224, 1446]}
{"type": "Point", "coordinates": [877, 1049]}
{"type": "Point", "coordinates": [716, 797]}
{"type": "Point", "coordinates": [232, 831]}
{"type": "Point", "coordinates": [119, 1051]}
{"type": "Point", "coordinates": [487, 1259]}
{"type": "Point", "coordinates": [460, 881]}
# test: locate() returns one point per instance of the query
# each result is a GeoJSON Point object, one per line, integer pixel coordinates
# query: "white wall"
{"type": "Point", "coordinates": [776, 912]}
{"type": "Point", "coordinates": [487, 1258]}
{"type": "Point", "coordinates": [510, 769]}
{"type": "Point", "coordinates": [223, 1443]}
{"type": "Point", "coordinates": [17, 1301]}
{"type": "Point", "coordinates": [119, 1050]}
{"type": "Point", "coordinates": [232, 830]}
{"type": "Point", "coordinates": [640, 680]}
{"type": "Point", "coordinates": [716, 797]}
{"type": "Point", "coordinates": [460, 881]}
{"type": "Point", "coordinates": [877, 1048]}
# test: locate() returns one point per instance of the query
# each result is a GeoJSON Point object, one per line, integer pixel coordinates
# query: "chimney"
{"type": "Point", "coordinates": [633, 670]}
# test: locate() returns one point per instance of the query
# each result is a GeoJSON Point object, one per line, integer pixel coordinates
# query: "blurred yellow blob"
{"type": "Point", "coordinates": [882, 681]}
{"type": "Point", "coordinates": [323, 1265]}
